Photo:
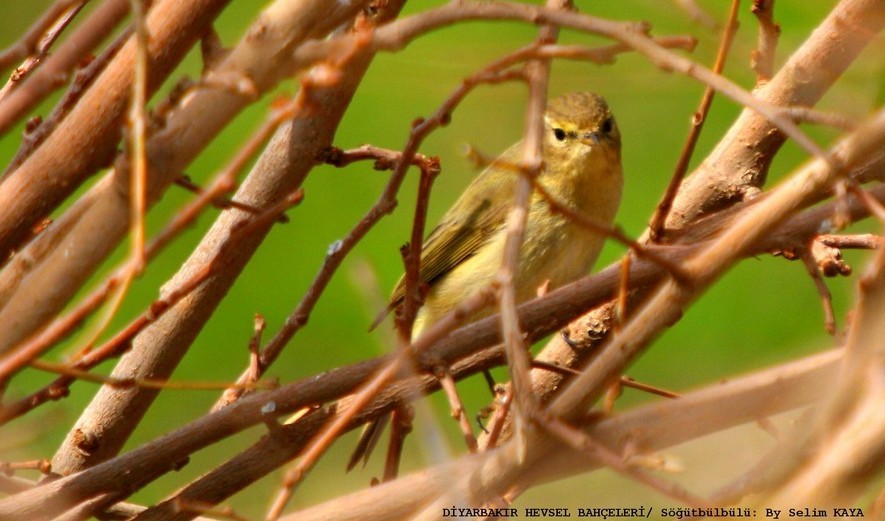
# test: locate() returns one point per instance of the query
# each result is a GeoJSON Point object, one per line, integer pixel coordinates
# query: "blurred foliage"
{"type": "Point", "coordinates": [764, 311]}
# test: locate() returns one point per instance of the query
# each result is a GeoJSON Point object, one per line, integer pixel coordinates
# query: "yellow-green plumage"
{"type": "Point", "coordinates": [581, 168]}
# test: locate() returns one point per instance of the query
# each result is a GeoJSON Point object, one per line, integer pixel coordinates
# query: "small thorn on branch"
{"type": "Point", "coordinates": [829, 259]}
{"type": "Point", "coordinates": [762, 58]}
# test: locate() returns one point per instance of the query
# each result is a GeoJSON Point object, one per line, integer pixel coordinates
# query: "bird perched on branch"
{"type": "Point", "coordinates": [580, 171]}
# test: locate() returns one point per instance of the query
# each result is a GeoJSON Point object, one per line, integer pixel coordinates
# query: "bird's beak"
{"type": "Point", "coordinates": [590, 138]}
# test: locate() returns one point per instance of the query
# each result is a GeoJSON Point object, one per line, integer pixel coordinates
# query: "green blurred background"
{"type": "Point", "coordinates": [764, 311]}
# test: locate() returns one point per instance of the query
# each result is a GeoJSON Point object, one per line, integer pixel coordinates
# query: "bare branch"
{"type": "Point", "coordinates": [665, 305]}
{"type": "Point", "coordinates": [822, 290]}
{"type": "Point", "coordinates": [656, 225]}
{"type": "Point", "coordinates": [734, 170]}
{"type": "Point", "coordinates": [655, 426]}
{"type": "Point", "coordinates": [86, 139]}
{"type": "Point", "coordinates": [54, 237]}
{"type": "Point", "coordinates": [278, 172]}
{"type": "Point", "coordinates": [38, 38]}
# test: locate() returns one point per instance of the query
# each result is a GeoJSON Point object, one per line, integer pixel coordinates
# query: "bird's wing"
{"type": "Point", "coordinates": [466, 227]}
{"type": "Point", "coordinates": [453, 241]}
{"type": "Point", "coordinates": [471, 222]}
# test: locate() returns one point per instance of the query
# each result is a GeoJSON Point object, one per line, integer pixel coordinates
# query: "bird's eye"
{"type": "Point", "coordinates": [559, 134]}
{"type": "Point", "coordinates": [607, 125]}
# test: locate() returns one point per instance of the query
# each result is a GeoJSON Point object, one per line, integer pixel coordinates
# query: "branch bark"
{"type": "Point", "coordinates": [86, 139]}
{"type": "Point", "coordinates": [737, 167]}
{"type": "Point", "coordinates": [133, 470]}
{"type": "Point", "coordinates": [63, 257]}
{"type": "Point", "coordinates": [656, 426]}
{"type": "Point", "coordinates": [58, 65]}
{"type": "Point", "coordinates": [289, 157]}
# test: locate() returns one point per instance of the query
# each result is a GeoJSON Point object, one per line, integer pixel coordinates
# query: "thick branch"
{"type": "Point", "coordinates": [63, 257]}
{"type": "Point", "coordinates": [45, 79]}
{"type": "Point", "coordinates": [86, 139]}
{"type": "Point", "coordinates": [539, 317]}
{"type": "Point", "coordinates": [653, 427]}
{"type": "Point", "coordinates": [114, 413]}
{"type": "Point", "coordinates": [738, 164]}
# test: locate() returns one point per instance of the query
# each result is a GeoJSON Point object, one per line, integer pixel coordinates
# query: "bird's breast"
{"type": "Point", "coordinates": [557, 248]}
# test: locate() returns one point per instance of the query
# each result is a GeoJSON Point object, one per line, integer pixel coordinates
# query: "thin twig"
{"type": "Point", "coordinates": [40, 36]}
{"type": "Point", "coordinates": [816, 117]}
{"type": "Point", "coordinates": [612, 232]}
{"type": "Point", "coordinates": [697, 14]}
{"type": "Point", "coordinates": [254, 371]}
{"type": "Point", "coordinates": [412, 298]}
{"type": "Point", "coordinates": [876, 208]}
{"type": "Point", "coordinates": [537, 77]}
{"type": "Point", "coordinates": [400, 427]}
{"type": "Point", "coordinates": [143, 383]}
{"type": "Point", "coordinates": [659, 220]}
{"type": "Point", "coordinates": [456, 407]}
{"type": "Point", "coordinates": [138, 172]}
{"type": "Point", "coordinates": [865, 241]}
{"type": "Point", "coordinates": [502, 410]}
{"type": "Point", "coordinates": [222, 203]}
{"type": "Point", "coordinates": [822, 290]}
{"type": "Point", "coordinates": [626, 381]}
{"type": "Point", "coordinates": [120, 341]}
{"type": "Point", "coordinates": [384, 159]}
{"type": "Point", "coordinates": [623, 293]}
{"type": "Point", "coordinates": [581, 441]}
{"type": "Point", "coordinates": [606, 55]}
{"type": "Point", "coordinates": [42, 465]}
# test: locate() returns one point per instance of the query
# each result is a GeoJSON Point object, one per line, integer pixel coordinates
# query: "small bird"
{"type": "Point", "coordinates": [581, 169]}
